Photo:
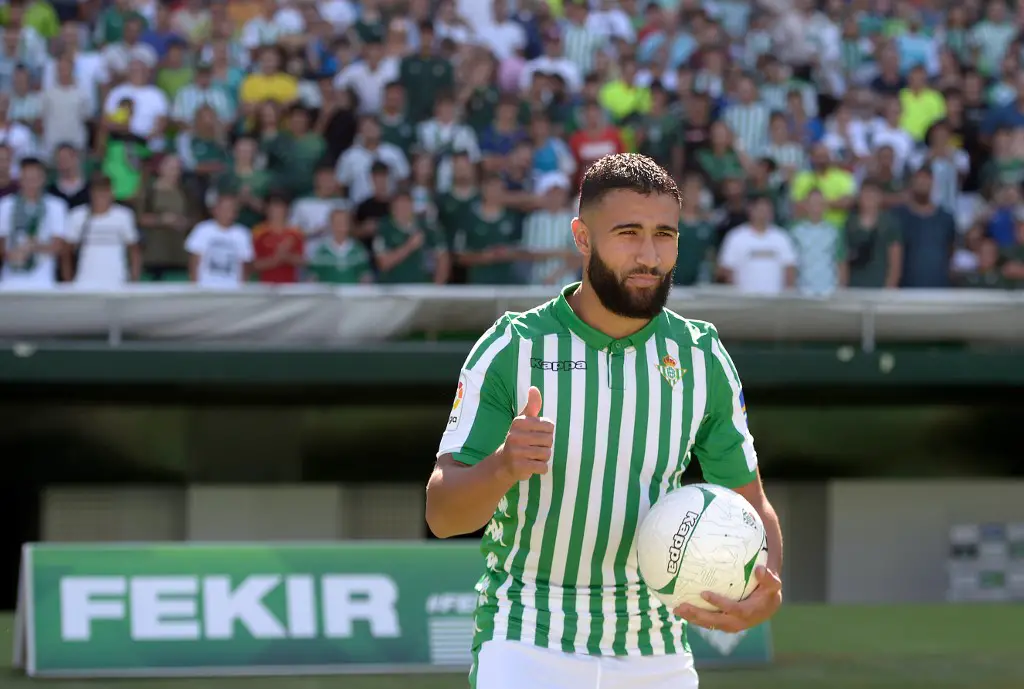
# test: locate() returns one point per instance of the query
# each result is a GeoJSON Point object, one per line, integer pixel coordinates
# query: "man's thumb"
{"type": "Point", "coordinates": [533, 403]}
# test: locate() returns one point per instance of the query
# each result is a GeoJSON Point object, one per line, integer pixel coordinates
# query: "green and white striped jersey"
{"type": "Point", "coordinates": [629, 414]}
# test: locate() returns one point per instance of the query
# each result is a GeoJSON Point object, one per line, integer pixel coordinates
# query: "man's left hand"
{"type": "Point", "coordinates": [735, 616]}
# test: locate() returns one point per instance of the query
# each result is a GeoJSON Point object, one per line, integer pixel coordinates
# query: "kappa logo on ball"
{"type": "Point", "coordinates": [675, 551]}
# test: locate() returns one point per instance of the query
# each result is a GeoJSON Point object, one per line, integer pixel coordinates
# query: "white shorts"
{"type": "Point", "coordinates": [514, 665]}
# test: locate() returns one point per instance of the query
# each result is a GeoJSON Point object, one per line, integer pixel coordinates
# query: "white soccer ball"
{"type": "Point", "coordinates": [699, 538]}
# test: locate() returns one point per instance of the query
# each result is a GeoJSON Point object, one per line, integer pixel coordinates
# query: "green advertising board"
{"type": "Point", "coordinates": [150, 610]}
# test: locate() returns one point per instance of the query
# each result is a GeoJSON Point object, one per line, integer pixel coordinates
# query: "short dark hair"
{"type": "Point", "coordinates": [628, 171]}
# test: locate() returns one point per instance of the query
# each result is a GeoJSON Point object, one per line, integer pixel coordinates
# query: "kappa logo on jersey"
{"type": "Point", "coordinates": [670, 371]}
{"type": "Point", "coordinates": [566, 365]}
{"type": "Point", "coordinates": [743, 404]}
{"type": "Point", "coordinates": [457, 406]}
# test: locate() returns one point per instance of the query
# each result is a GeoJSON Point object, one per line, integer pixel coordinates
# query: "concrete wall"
{"type": "Point", "coordinates": [888, 540]}
{"type": "Point", "coordinates": [846, 541]}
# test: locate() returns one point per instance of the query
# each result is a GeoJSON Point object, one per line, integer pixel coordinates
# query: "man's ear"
{"type": "Point", "coordinates": [581, 235]}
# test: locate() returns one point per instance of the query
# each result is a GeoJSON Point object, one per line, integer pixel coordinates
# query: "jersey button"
{"type": "Point", "coordinates": [617, 346]}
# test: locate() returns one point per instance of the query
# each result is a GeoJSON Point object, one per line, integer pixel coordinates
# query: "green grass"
{"type": "Point", "coordinates": [817, 647]}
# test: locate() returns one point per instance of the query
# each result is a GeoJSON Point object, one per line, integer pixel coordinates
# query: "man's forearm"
{"type": "Point", "coordinates": [773, 534]}
{"type": "Point", "coordinates": [462, 498]}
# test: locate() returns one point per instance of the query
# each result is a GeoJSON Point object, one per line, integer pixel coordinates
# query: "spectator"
{"type": "Point", "coordinates": [747, 118]}
{"type": "Point", "coordinates": [102, 242]}
{"type": "Point", "coordinates": [408, 250]}
{"type": "Point", "coordinates": [443, 135]}
{"type": "Point", "coordinates": [15, 136]}
{"type": "Point", "coordinates": [368, 77]}
{"type": "Point", "coordinates": [486, 243]}
{"type": "Point", "coordinates": [758, 257]}
{"type": "Point", "coordinates": [32, 225]}
{"type": "Point", "coordinates": [278, 247]}
{"type": "Point", "coordinates": [836, 185]}
{"type": "Point", "coordinates": [269, 83]}
{"type": "Point", "coordinates": [149, 107]}
{"type": "Point", "coordinates": [354, 165]}
{"type": "Point", "coordinates": [820, 250]}
{"type": "Point", "coordinates": [697, 236]}
{"type": "Point", "coordinates": [25, 106]}
{"type": "Point", "coordinates": [928, 233]}
{"type": "Point", "coordinates": [165, 214]}
{"type": "Point", "coordinates": [338, 259]}
{"type": "Point", "coordinates": [987, 274]}
{"type": "Point", "coordinates": [294, 155]}
{"type": "Point", "coordinates": [66, 108]}
{"type": "Point", "coordinates": [552, 257]}
{"type": "Point", "coordinates": [874, 247]}
{"type": "Point", "coordinates": [69, 181]}
{"type": "Point", "coordinates": [220, 250]}
{"type": "Point", "coordinates": [312, 213]}
{"type": "Point", "coordinates": [922, 105]}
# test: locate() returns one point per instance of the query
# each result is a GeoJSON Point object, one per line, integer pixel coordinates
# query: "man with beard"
{"type": "Point", "coordinates": [569, 421]}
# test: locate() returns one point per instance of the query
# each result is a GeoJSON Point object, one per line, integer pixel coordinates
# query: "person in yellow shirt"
{"type": "Point", "coordinates": [621, 97]}
{"type": "Point", "coordinates": [269, 83]}
{"type": "Point", "coordinates": [922, 106]}
{"type": "Point", "coordinates": [837, 186]}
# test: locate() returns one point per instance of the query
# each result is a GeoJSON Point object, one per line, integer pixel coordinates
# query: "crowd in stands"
{"type": "Point", "coordinates": [861, 143]}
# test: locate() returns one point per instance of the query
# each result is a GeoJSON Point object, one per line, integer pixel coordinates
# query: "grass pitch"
{"type": "Point", "coordinates": [816, 647]}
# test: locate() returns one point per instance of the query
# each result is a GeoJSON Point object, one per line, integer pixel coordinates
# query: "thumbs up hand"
{"type": "Point", "coordinates": [527, 447]}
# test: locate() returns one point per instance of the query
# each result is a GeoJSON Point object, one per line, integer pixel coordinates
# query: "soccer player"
{"type": "Point", "coordinates": [569, 421]}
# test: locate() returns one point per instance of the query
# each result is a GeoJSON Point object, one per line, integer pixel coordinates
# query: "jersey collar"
{"type": "Point", "coordinates": [595, 338]}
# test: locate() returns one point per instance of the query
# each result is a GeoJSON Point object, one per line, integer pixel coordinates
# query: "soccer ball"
{"type": "Point", "coordinates": [699, 538]}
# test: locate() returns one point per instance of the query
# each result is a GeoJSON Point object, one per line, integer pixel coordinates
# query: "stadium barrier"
{"type": "Point", "coordinates": [162, 610]}
{"type": "Point", "coordinates": [322, 315]}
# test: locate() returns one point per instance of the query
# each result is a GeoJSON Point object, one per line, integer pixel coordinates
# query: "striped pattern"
{"type": "Point", "coordinates": [786, 155]}
{"type": "Point", "coordinates": [774, 96]}
{"type": "Point", "coordinates": [190, 98]}
{"type": "Point", "coordinates": [561, 569]}
{"type": "Point", "coordinates": [580, 45]}
{"type": "Point", "coordinates": [991, 40]}
{"type": "Point", "coordinates": [26, 109]}
{"type": "Point", "coordinates": [547, 231]}
{"type": "Point", "coordinates": [749, 124]}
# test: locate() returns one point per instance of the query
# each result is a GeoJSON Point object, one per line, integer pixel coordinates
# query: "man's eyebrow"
{"type": "Point", "coordinates": [638, 226]}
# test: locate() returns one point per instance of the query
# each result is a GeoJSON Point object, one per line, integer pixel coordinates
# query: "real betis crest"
{"type": "Point", "coordinates": [670, 371]}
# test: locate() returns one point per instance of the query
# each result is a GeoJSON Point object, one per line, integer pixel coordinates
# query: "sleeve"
{"type": "Point", "coordinates": [113, 98]}
{"type": "Point", "coordinates": [6, 208]}
{"type": "Point", "coordinates": [131, 231]}
{"type": "Point", "coordinates": [57, 217]}
{"type": "Point", "coordinates": [195, 243]}
{"type": "Point", "coordinates": [724, 446]}
{"type": "Point", "coordinates": [789, 253]}
{"type": "Point", "coordinates": [728, 256]}
{"type": "Point", "coordinates": [245, 245]}
{"type": "Point", "coordinates": [73, 227]}
{"type": "Point", "coordinates": [484, 406]}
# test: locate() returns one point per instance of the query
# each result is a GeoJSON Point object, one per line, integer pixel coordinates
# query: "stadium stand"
{"type": "Point", "coordinates": [861, 143]}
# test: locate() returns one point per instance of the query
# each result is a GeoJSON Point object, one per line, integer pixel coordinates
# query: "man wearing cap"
{"type": "Point", "coordinates": [549, 248]}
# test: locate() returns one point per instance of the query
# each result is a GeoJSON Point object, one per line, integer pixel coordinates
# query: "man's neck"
{"type": "Point", "coordinates": [34, 197]}
{"type": "Point", "coordinates": [589, 309]}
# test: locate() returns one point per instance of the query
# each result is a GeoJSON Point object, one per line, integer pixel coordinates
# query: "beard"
{"type": "Point", "coordinates": [642, 303]}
